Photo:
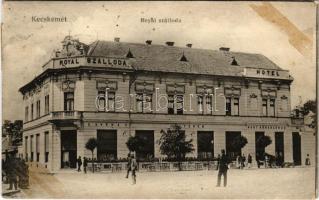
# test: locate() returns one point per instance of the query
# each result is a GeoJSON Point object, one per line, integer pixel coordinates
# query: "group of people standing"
{"type": "Point", "coordinates": [79, 163]}
{"type": "Point", "coordinates": [241, 161]}
{"type": "Point", "coordinates": [15, 172]}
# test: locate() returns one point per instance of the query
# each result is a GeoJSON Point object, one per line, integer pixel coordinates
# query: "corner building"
{"type": "Point", "coordinates": [111, 90]}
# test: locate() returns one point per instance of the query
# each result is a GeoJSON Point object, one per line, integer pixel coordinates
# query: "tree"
{"type": "Point", "coordinates": [91, 144]}
{"type": "Point", "coordinates": [239, 142]}
{"type": "Point", "coordinates": [310, 107]}
{"type": "Point", "coordinates": [14, 130]}
{"type": "Point", "coordinates": [263, 141]}
{"type": "Point", "coordinates": [135, 143]}
{"type": "Point", "coordinates": [174, 145]}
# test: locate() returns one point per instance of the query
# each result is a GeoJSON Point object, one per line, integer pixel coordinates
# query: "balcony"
{"type": "Point", "coordinates": [66, 118]}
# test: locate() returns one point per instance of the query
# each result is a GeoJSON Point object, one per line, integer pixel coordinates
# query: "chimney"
{"type": "Point", "coordinates": [149, 42]}
{"type": "Point", "coordinates": [189, 45]}
{"type": "Point", "coordinates": [224, 49]}
{"type": "Point", "coordinates": [170, 43]}
{"type": "Point", "coordinates": [117, 39]}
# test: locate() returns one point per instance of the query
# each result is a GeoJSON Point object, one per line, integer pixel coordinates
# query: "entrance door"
{"type": "Point", "coordinates": [279, 145]}
{"type": "Point", "coordinates": [232, 150]}
{"type": "Point", "coordinates": [205, 144]}
{"type": "Point", "coordinates": [296, 145]}
{"type": "Point", "coordinates": [68, 149]}
{"type": "Point", "coordinates": [107, 145]}
{"type": "Point", "coordinates": [147, 152]}
{"type": "Point", "coordinates": [260, 151]}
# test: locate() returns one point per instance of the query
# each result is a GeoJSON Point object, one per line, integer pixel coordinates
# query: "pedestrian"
{"type": "Point", "coordinates": [133, 168]}
{"type": "Point", "coordinates": [129, 159]}
{"type": "Point", "coordinates": [249, 161]}
{"type": "Point", "coordinates": [85, 164]}
{"type": "Point", "coordinates": [12, 173]}
{"type": "Point", "coordinates": [243, 160]}
{"type": "Point", "coordinates": [222, 168]}
{"type": "Point", "coordinates": [307, 162]}
{"type": "Point", "coordinates": [266, 161]}
{"type": "Point", "coordinates": [79, 161]}
{"type": "Point", "coordinates": [238, 161]}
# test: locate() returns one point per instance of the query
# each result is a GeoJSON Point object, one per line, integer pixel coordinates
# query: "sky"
{"type": "Point", "coordinates": [286, 38]}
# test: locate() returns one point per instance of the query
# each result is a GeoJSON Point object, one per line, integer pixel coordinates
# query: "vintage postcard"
{"type": "Point", "coordinates": [164, 100]}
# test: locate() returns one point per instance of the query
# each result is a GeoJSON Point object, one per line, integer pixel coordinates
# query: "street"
{"type": "Point", "coordinates": [288, 183]}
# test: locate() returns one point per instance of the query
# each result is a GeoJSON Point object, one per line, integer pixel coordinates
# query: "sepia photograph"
{"type": "Point", "coordinates": [159, 100]}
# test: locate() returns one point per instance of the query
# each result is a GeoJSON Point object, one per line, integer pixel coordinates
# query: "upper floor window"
{"type": "Point", "coordinates": [200, 103]}
{"type": "Point", "coordinates": [170, 105]}
{"type": "Point", "coordinates": [272, 107]}
{"type": "Point", "coordinates": [175, 104]}
{"type": "Point", "coordinates": [179, 104]}
{"type": "Point", "coordinates": [204, 99]}
{"type": "Point", "coordinates": [228, 105]}
{"type": "Point", "coordinates": [106, 100]}
{"type": "Point", "coordinates": [26, 114]}
{"type": "Point", "coordinates": [236, 106]}
{"type": "Point", "coordinates": [68, 101]}
{"type": "Point", "coordinates": [265, 107]}
{"type": "Point", "coordinates": [209, 106]}
{"type": "Point", "coordinates": [32, 111]}
{"type": "Point", "coordinates": [232, 106]}
{"type": "Point", "coordinates": [38, 108]}
{"type": "Point", "coordinates": [268, 107]}
{"type": "Point", "coordinates": [143, 102]}
{"type": "Point", "coordinates": [46, 105]}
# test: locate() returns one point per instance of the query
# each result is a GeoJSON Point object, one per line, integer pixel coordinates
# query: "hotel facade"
{"type": "Point", "coordinates": [113, 90]}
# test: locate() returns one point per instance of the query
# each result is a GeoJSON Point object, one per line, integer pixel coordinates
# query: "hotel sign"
{"type": "Point", "coordinates": [91, 62]}
{"type": "Point", "coordinates": [266, 73]}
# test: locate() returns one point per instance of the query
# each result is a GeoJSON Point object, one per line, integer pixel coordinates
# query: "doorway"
{"type": "Point", "coordinates": [231, 150]}
{"type": "Point", "coordinates": [147, 152]}
{"type": "Point", "coordinates": [68, 149]}
{"type": "Point", "coordinates": [296, 145]}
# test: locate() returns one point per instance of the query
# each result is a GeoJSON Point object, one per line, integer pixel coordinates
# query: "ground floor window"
{"type": "Point", "coordinates": [147, 152]}
{"type": "Point", "coordinates": [205, 144]}
{"type": "Point", "coordinates": [231, 150]}
{"type": "Point", "coordinates": [107, 145]}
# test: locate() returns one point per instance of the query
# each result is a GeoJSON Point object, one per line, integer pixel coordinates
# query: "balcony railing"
{"type": "Point", "coordinates": [64, 115]}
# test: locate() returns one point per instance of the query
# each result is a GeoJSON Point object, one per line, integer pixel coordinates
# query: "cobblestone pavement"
{"type": "Point", "coordinates": [289, 183]}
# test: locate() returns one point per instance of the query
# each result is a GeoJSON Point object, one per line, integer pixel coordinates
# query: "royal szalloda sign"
{"type": "Point", "coordinates": [91, 62]}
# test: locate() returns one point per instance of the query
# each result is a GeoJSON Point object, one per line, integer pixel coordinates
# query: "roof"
{"type": "Point", "coordinates": [168, 58]}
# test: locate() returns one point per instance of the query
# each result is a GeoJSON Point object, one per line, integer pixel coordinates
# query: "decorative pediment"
{"type": "Point", "coordinates": [68, 86]}
{"type": "Point", "coordinates": [175, 89]}
{"type": "Point", "coordinates": [269, 93]}
{"type": "Point", "coordinates": [105, 84]}
{"type": "Point", "coordinates": [253, 95]}
{"type": "Point", "coordinates": [232, 91]}
{"type": "Point", "coordinates": [144, 87]}
{"type": "Point", "coordinates": [204, 89]}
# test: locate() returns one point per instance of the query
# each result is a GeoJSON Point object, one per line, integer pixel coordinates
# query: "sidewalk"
{"type": "Point", "coordinates": [10, 193]}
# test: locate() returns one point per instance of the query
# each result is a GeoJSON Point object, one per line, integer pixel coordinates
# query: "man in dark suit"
{"type": "Point", "coordinates": [222, 168]}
